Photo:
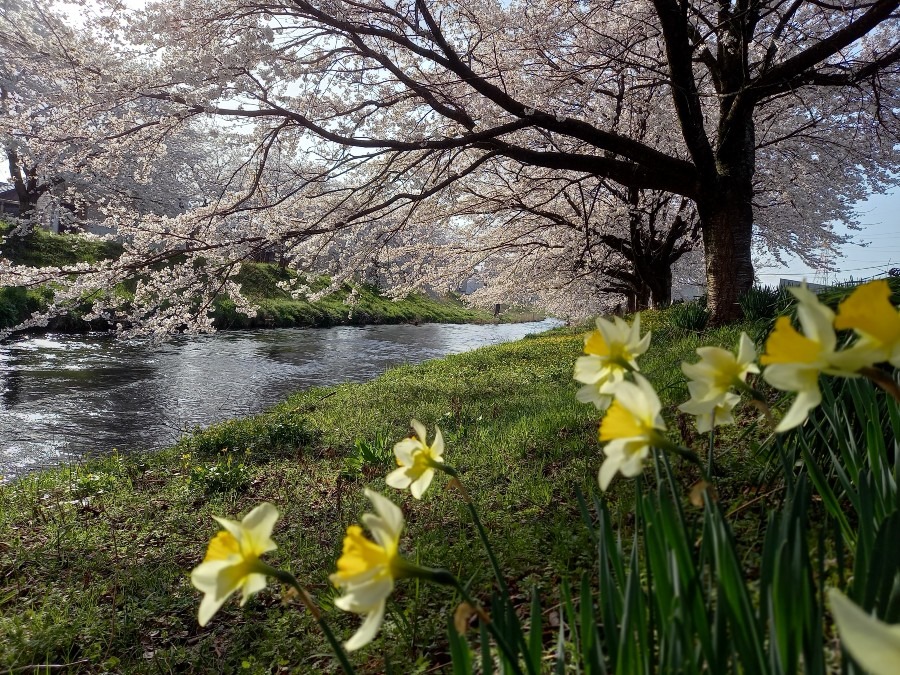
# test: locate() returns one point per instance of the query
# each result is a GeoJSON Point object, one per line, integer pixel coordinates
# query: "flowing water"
{"type": "Point", "coordinates": [65, 397]}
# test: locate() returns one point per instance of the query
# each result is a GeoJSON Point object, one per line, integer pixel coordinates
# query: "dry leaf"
{"type": "Point", "coordinates": [461, 616]}
{"type": "Point", "coordinates": [697, 493]}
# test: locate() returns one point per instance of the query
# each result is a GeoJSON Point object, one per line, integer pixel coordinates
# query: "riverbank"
{"type": "Point", "coordinates": [95, 558]}
{"type": "Point", "coordinates": [258, 281]}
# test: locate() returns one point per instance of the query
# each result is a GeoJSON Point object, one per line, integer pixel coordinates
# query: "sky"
{"type": "Point", "coordinates": [880, 218]}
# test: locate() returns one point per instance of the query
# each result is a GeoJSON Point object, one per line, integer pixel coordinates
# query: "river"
{"type": "Point", "coordinates": [67, 397]}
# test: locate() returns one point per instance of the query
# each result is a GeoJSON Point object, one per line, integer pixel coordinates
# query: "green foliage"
{"type": "Point", "coordinates": [273, 434]}
{"type": "Point", "coordinates": [40, 248]}
{"type": "Point", "coordinates": [687, 596]}
{"type": "Point", "coordinates": [16, 303]}
{"type": "Point", "coordinates": [226, 475]}
{"type": "Point", "coordinates": [369, 459]}
{"type": "Point", "coordinates": [87, 484]}
{"type": "Point", "coordinates": [109, 578]}
{"type": "Point", "coordinates": [278, 309]}
{"type": "Point", "coordinates": [764, 303]}
{"type": "Point", "coordinates": [688, 316]}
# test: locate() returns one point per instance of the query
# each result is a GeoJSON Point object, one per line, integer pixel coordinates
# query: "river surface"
{"type": "Point", "coordinates": [66, 397]}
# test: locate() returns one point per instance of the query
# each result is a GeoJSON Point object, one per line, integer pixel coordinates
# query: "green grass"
{"type": "Point", "coordinates": [258, 281]}
{"type": "Point", "coordinates": [45, 249]}
{"type": "Point", "coordinates": [94, 560]}
{"type": "Point", "coordinates": [278, 309]}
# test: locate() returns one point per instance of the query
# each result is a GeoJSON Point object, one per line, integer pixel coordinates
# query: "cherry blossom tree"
{"type": "Point", "coordinates": [364, 121]}
{"type": "Point", "coordinates": [404, 98]}
{"type": "Point", "coordinates": [591, 234]}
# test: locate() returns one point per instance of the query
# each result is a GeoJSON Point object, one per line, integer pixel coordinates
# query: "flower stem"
{"type": "Point", "coordinates": [446, 578]}
{"type": "Point", "coordinates": [664, 443]}
{"type": "Point", "coordinates": [495, 565]}
{"type": "Point", "coordinates": [290, 580]}
{"type": "Point", "coordinates": [482, 534]}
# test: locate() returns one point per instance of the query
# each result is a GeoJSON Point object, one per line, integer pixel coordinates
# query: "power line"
{"type": "Point", "coordinates": [855, 269]}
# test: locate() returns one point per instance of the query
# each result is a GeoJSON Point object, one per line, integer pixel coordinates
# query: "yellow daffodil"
{"type": "Point", "coordinates": [868, 311]}
{"type": "Point", "coordinates": [794, 361]}
{"type": "Point", "coordinates": [872, 643]}
{"type": "Point", "coordinates": [416, 460]}
{"type": "Point", "coordinates": [367, 569]}
{"type": "Point", "coordinates": [711, 380]}
{"type": "Point", "coordinates": [612, 350]}
{"type": "Point", "coordinates": [232, 560]}
{"type": "Point", "coordinates": [630, 426]}
{"type": "Point", "coordinates": [709, 414]}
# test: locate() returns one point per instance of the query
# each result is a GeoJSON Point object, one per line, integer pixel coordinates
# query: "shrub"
{"type": "Point", "coordinates": [760, 303]}
{"type": "Point", "coordinates": [688, 316]}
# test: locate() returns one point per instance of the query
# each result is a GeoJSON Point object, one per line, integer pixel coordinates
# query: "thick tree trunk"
{"type": "Point", "coordinates": [727, 222]}
{"type": "Point", "coordinates": [661, 288]}
{"type": "Point", "coordinates": [725, 207]}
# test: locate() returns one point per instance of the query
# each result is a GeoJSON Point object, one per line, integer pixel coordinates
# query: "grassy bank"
{"type": "Point", "coordinates": [259, 282]}
{"type": "Point", "coordinates": [95, 559]}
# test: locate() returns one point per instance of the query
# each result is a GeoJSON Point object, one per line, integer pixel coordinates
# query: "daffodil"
{"type": "Point", "coordinates": [868, 311]}
{"type": "Point", "coordinates": [874, 644]}
{"type": "Point", "coordinates": [367, 569]}
{"type": "Point", "coordinates": [612, 350]}
{"type": "Point", "coordinates": [232, 560]}
{"type": "Point", "coordinates": [709, 414]}
{"type": "Point", "coordinates": [629, 428]}
{"type": "Point", "coordinates": [416, 460]}
{"type": "Point", "coordinates": [794, 361]}
{"type": "Point", "coordinates": [711, 380]}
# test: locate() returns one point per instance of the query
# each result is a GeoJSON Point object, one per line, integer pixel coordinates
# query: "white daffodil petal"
{"type": "Point", "coordinates": [608, 470]}
{"type": "Point", "coordinates": [362, 598]}
{"type": "Point", "coordinates": [398, 478]}
{"type": "Point", "coordinates": [368, 630]}
{"type": "Point", "coordinates": [590, 394]}
{"type": "Point", "coordinates": [799, 410]}
{"type": "Point", "coordinates": [405, 449]}
{"type": "Point", "coordinates": [388, 511]}
{"type": "Point", "coordinates": [205, 576]}
{"type": "Point", "coordinates": [872, 643]}
{"type": "Point", "coordinates": [261, 520]}
{"type": "Point", "coordinates": [209, 606]}
{"type": "Point", "coordinates": [420, 430]}
{"type": "Point", "coordinates": [254, 583]}
{"type": "Point", "coordinates": [747, 353]}
{"type": "Point", "coordinates": [417, 488]}
{"type": "Point", "coordinates": [438, 446]}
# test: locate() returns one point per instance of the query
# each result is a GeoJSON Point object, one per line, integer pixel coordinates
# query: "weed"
{"type": "Point", "coordinates": [368, 459]}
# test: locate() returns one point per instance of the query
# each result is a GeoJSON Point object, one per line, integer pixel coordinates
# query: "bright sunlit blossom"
{"type": "Point", "coordinates": [869, 312]}
{"type": "Point", "coordinates": [612, 350]}
{"type": "Point", "coordinates": [711, 380]}
{"type": "Point", "coordinates": [232, 560]}
{"type": "Point", "coordinates": [794, 361]}
{"type": "Point", "coordinates": [367, 569]}
{"type": "Point", "coordinates": [416, 460]}
{"type": "Point", "coordinates": [629, 428]}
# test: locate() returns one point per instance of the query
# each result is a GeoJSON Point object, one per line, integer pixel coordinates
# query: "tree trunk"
{"type": "Point", "coordinates": [725, 207]}
{"type": "Point", "coordinates": [661, 288]}
{"type": "Point", "coordinates": [727, 222]}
